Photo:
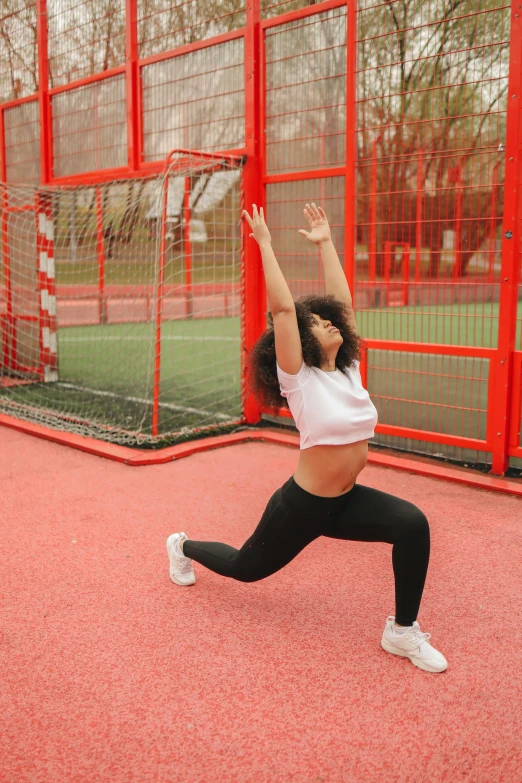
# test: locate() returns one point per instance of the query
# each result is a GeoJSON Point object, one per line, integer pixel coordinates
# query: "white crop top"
{"type": "Point", "coordinates": [329, 408]}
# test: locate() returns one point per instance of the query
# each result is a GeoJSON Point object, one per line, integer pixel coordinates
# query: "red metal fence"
{"type": "Point", "coordinates": [401, 118]}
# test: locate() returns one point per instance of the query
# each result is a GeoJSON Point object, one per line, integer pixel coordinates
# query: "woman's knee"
{"type": "Point", "coordinates": [415, 522]}
{"type": "Point", "coordinates": [243, 569]}
{"type": "Point", "coordinates": [248, 574]}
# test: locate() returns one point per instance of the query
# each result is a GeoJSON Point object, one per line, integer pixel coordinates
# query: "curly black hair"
{"type": "Point", "coordinates": [263, 380]}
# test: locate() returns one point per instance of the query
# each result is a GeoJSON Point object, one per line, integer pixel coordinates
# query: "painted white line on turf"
{"type": "Point", "coordinates": [95, 338]}
{"type": "Point", "coordinates": [142, 400]}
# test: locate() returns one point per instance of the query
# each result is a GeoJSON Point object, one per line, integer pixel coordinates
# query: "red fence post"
{"type": "Point", "coordinates": [187, 248]}
{"type": "Point", "coordinates": [253, 313]}
{"type": "Point", "coordinates": [131, 83]}
{"type": "Point", "coordinates": [44, 210]}
{"type": "Point", "coordinates": [7, 320]}
{"type": "Point", "coordinates": [159, 304]}
{"type": "Point", "coordinates": [501, 367]}
{"type": "Point", "coordinates": [351, 149]}
{"type": "Point", "coordinates": [43, 93]}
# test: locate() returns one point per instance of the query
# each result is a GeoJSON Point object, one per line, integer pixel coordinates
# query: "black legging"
{"type": "Point", "coordinates": [294, 518]}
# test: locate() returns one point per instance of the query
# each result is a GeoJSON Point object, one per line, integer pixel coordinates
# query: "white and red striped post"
{"type": "Point", "coordinates": [46, 288]}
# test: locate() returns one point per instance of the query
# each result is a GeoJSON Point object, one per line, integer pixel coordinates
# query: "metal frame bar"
{"type": "Point", "coordinates": [159, 305]}
{"type": "Point", "coordinates": [254, 301]}
{"type": "Point", "coordinates": [6, 320]}
{"type": "Point", "coordinates": [502, 367]}
{"type": "Point", "coordinates": [351, 149]}
{"type": "Point", "coordinates": [44, 100]}
{"type": "Point", "coordinates": [132, 74]}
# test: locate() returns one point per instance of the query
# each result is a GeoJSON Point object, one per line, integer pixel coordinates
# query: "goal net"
{"type": "Point", "coordinates": [121, 303]}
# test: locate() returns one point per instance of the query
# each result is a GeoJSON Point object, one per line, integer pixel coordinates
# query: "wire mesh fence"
{"type": "Point", "coordinates": [402, 119]}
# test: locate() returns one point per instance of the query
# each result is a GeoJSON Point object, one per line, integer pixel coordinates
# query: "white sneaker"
{"type": "Point", "coordinates": [413, 644]}
{"type": "Point", "coordinates": [181, 571]}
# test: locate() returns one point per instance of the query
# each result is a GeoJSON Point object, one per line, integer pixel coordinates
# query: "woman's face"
{"type": "Point", "coordinates": [323, 330]}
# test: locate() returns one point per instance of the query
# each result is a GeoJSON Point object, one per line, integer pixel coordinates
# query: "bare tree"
{"type": "Point", "coordinates": [18, 50]}
{"type": "Point", "coordinates": [433, 79]}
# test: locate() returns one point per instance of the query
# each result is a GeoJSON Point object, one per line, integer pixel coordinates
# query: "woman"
{"type": "Point", "coordinates": [308, 360]}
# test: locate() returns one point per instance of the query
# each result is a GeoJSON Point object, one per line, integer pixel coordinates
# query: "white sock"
{"type": "Point", "coordinates": [178, 548]}
{"type": "Point", "coordinates": [402, 629]}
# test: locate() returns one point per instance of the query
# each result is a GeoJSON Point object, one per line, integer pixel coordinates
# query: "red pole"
{"type": "Point", "coordinates": [418, 222]}
{"type": "Point", "coordinates": [102, 312]}
{"type": "Point", "coordinates": [253, 280]}
{"type": "Point", "coordinates": [43, 92]}
{"type": "Point", "coordinates": [350, 217]}
{"type": "Point", "coordinates": [7, 321]}
{"type": "Point", "coordinates": [131, 82]}
{"type": "Point", "coordinates": [44, 106]}
{"type": "Point", "coordinates": [187, 248]}
{"type": "Point", "coordinates": [40, 276]}
{"type": "Point", "coordinates": [159, 303]}
{"type": "Point", "coordinates": [501, 367]}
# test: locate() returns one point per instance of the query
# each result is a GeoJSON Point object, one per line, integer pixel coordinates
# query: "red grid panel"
{"type": "Point", "coordinates": [518, 336]}
{"type": "Point", "coordinates": [195, 101]}
{"type": "Point", "coordinates": [164, 25]}
{"type": "Point", "coordinates": [271, 9]}
{"type": "Point", "coordinates": [84, 37]}
{"type": "Point", "coordinates": [431, 129]}
{"type": "Point", "coordinates": [18, 50]}
{"type": "Point", "coordinates": [90, 127]}
{"type": "Point", "coordinates": [306, 93]}
{"type": "Point", "coordinates": [22, 143]}
{"type": "Point", "coordinates": [431, 133]}
{"type": "Point", "coordinates": [417, 391]}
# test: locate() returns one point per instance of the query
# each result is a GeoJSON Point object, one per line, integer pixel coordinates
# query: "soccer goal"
{"type": "Point", "coordinates": [121, 303]}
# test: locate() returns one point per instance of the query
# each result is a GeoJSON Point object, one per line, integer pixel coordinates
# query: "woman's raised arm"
{"type": "Point", "coordinates": [279, 296]}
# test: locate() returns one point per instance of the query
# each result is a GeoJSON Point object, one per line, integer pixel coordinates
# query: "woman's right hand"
{"type": "Point", "coordinates": [257, 224]}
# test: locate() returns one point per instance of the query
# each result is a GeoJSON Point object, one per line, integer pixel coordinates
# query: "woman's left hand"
{"type": "Point", "coordinates": [318, 222]}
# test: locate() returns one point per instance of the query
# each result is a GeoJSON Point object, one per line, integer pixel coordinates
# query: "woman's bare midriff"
{"type": "Point", "coordinates": [329, 471]}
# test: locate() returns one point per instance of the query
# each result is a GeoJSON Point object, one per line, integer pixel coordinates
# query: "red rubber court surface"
{"type": "Point", "coordinates": [113, 674]}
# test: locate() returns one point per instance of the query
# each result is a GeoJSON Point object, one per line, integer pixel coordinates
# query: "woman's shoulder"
{"type": "Point", "coordinates": [292, 382]}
